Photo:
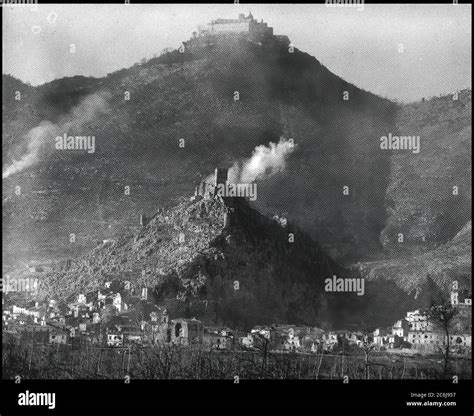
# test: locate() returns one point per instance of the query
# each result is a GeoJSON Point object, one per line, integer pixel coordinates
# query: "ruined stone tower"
{"type": "Point", "coordinates": [220, 177]}
{"type": "Point", "coordinates": [209, 189]}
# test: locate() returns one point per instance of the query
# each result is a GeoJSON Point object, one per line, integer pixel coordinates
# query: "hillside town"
{"type": "Point", "coordinates": [125, 313]}
{"type": "Point", "coordinates": [121, 315]}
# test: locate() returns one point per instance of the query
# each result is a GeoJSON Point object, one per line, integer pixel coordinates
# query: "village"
{"type": "Point", "coordinates": [121, 315]}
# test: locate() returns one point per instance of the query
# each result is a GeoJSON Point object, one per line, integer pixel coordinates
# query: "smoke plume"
{"type": "Point", "coordinates": [40, 139]}
{"type": "Point", "coordinates": [36, 138]}
{"type": "Point", "coordinates": [264, 162]}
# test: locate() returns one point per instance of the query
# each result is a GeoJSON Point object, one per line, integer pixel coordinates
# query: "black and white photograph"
{"type": "Point", "coordinates": [239, 194]}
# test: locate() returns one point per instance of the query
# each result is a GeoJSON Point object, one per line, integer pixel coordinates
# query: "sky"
{"type": "Point", "coordinates": [361, 46]}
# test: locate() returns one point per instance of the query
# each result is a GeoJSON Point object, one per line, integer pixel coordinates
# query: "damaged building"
{"type": "Point", "coordinates": [208, 188]}
{"type": "Point", "coordinates": [185, 331]}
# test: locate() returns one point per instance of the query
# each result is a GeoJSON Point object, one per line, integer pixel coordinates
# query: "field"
{"type": "Point", "coordinates": [176, 362]}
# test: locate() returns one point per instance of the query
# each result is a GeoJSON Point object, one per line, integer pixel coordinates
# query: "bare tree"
{"type": "Point", "coordinates": [442, 314]}
{"type": "Point", "coordinates": [263, 347]}
{"type": "Point", "coordinates": [367, 346]}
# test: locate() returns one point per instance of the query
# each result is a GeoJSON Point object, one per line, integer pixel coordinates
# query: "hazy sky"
{"type": "Point", "coordinates": [360, 46]}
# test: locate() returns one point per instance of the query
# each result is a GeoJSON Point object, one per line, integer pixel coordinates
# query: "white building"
{"type": "Point", "coordinates": [95, 318]}
{"type": "Point", "coordinates": [461, 297]}
{"type": "Point", "coordinates": [58, 338]}
{"type": "Point", "coordinates": [242, 25]}
{"type": "Point", "coordinates": [330, 340]}
{"type": "Point", "coordinates": [114, 340]}
{"type": "Point", "coordinates": [460, 340]}
{"type": "Point", "coordinates": [401, 328]}
{"type": "Point", "coordinates": [292, 341]}
{"type": "Point", "coordinates": [426, 340]}
{"type": "Point", "coordinates": [246, 341]}
{"type": "Point", "coordinates": [117, 302]}
{"type": "Point", "coordinates": [418, 321]}
{"type": "Point", "coordinates": [19, 310]}
{"type": "Point", "coordinates": [264, 332]}
{"type": "Point", "coordinates": [380, 336]}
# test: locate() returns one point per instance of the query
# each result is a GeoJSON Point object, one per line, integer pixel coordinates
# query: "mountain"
{"type": "Point", "coordinates": [442, 265]}
{"type": "Point", "coordinates": [429, 199]}
{"type": "Point", "coordinates": [190, 96]}
{"type": "Point", "coordinates": [140, 115]}
{"type": "Point", "coordinates": [240, 273]}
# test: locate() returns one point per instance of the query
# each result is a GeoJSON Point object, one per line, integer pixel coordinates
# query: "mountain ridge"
{"type": "Point", "coordinates": [191, 97]}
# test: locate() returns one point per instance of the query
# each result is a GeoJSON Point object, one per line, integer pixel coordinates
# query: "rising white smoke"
{"type": "Point", "coordinates": [264, 162]}
{"type": "Point", "coordinates": [36, 139]}
{"type": "Point", "coordinates": [39, 137]}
